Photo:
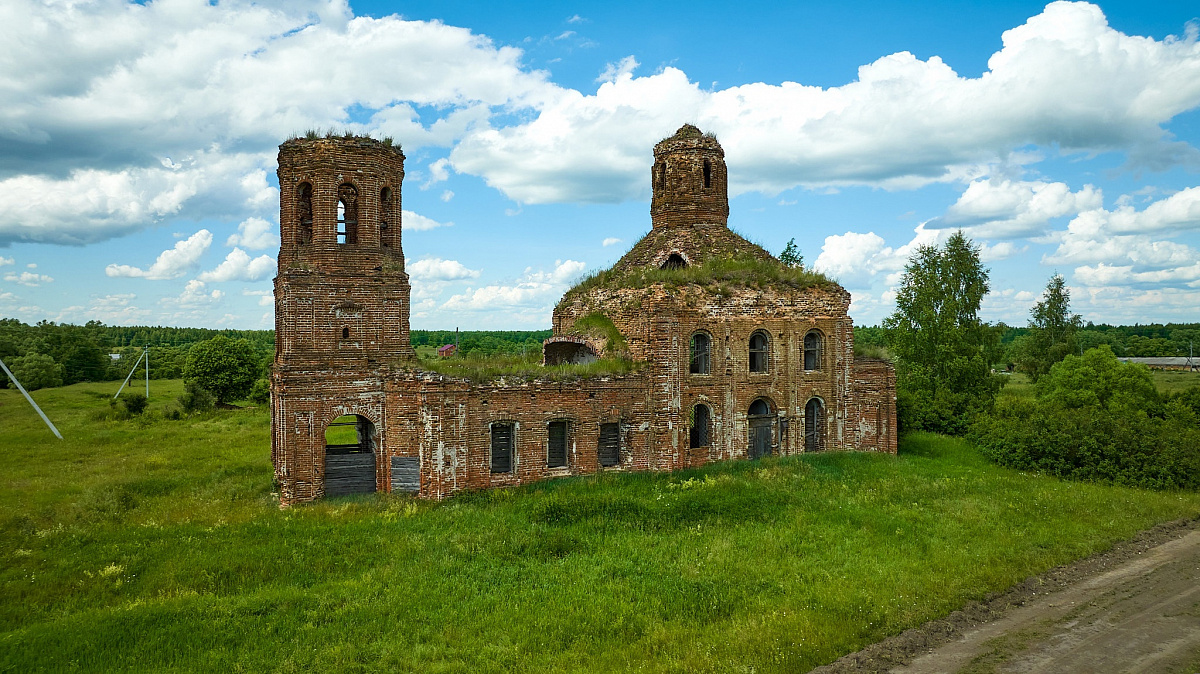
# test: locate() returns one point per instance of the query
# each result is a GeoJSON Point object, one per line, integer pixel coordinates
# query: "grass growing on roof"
{"type": "Point", "coordinates": [527, 367]}
{"type": "Point", "coordinates": [598, 325]}
{"type": "Point", "coordinates": [160, 547]}
{"type": "Point", "coordinates": [743, 270]}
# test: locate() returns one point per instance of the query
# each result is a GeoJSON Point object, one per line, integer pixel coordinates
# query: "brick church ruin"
{"type": "Point", "coordinates": [734, 356]}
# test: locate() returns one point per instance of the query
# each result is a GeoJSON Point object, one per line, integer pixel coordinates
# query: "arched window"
{"type": "Point", "coordinates": [700, 420]}
{"type": "Point", "coordinates": [699, 361]}
{"type": "Point", "coordinates": [304, 213]}
{"type": "Point", "coordinates": [347, 214]}
{"type": "Point", "coordinates": [759, 351]}
{"type": "Point", "coordinates": [707, 174]}
{"type": "Point", "coordinates": [345, 333]}
{"type": "Point", "coordinates": [814, 425]}
{"type": "Point", "coordinates": [674, 261]}
{"type": "Point", "coordinates": [385, 217]}
{"type": "Point", "coordinates": [660, 173]}
{"type": "Point", "coordinates": [812, 351]}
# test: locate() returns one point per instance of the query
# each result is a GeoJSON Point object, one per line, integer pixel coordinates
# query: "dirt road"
{"type": "Point", "coordinates": [1135, 608]}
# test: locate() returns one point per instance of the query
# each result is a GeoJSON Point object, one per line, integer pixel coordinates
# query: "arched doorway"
{"type": "Point", "coordinates": [349, 456]}
{"type": "Point", "coordinates": [762, 427]}
{"type": "Point", "coordinates": [814, 426]}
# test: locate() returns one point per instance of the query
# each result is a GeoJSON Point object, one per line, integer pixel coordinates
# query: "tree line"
{"type": "Point", "coordinates": [1091, 417]}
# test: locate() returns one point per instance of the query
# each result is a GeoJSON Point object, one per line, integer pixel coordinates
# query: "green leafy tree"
{"type": "Point", "coordinates": [36, 370]}
{"type": "Point", "coordinates": [944, 351]}
{"type": "Point", "coordinates": [791, 257]}
{"type": "Point", "coordinates": [1052, 331]}
{"type": "Point", "coordinates": [222, 366]}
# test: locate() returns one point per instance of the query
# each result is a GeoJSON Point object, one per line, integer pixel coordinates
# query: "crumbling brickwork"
{"type": "Point", "coordinates": [726, 372]}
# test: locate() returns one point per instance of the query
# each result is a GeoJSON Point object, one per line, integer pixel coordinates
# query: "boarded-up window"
{"type": "Point", "coordinates": [814, 425]}
{"type": "Point", "coordinates": [347, 222]}
{"type": "Point", "coordinates": [758, 352]}
{"type": "Point", "coordinates": [812, 351]}
{"type": "Point", "coordinates": [304, 211]}
{"type": "Point", "coordinates": [610, 444]}
{"type": "Point", "coordinates": [406, 474]}
{"type": "Point", "coordinates": [700, 420]}
{"type": "Point", "coordinates": [556, 454]}
{"type": "Point", "coordinates": [699, 361]}
{"type": "Point", "coordinates": [502, 448]}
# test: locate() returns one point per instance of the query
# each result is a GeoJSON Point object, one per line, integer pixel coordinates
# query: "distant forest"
{"type": "Point", "coordinates": [76, 353]}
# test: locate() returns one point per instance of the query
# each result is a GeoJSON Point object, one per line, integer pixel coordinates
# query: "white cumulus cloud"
{"type": "Point", "coordinates": [255, 234]}
{"type": "Point", "coordinates": [171, 263]}
{"type": "Point", "coordinates": [27, 278]}
{"type": "Point", "coordinates": [1001, 208]}
{"type": "Point", "coordinates": [437, 269]}
{"type": "Point", "coordinates": [239, 266]}
{"type": "Point", "coordinates": [418, 223]}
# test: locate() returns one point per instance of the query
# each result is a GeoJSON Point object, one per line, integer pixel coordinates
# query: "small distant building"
{"type": "Point", "coordinates": [447, 350]}
{"type": "Point", "coordinates": [1172, 363]}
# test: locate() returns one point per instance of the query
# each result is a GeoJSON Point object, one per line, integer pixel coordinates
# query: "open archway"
{"type": "Point", "coordinates": [350, 456]}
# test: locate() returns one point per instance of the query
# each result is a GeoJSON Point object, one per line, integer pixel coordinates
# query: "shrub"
{"type": "Point", "coordinates": [260, 393]}
{"type": "Point", "coordinates": [1096, 419]}
{"type": "Point", "coordinates": [135, 403]}
{"type": "Point", "coordinates": [196, 399]}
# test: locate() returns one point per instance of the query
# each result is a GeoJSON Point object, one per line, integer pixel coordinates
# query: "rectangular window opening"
{"type": "Point", "coordinates": [610, 444]}
{"type": "Point", "coordinates": [502, 448]}
{"type": "Point", "coordinates": [556, 455]}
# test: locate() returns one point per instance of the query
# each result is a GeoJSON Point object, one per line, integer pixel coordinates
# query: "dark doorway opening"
{"type": "Point", "coordinates": [349, 456]}
{"type": "Point", "coordinates": [762, 429]}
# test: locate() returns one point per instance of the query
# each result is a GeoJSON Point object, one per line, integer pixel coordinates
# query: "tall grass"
{"type": "Point", "coordinates": [158, 545]}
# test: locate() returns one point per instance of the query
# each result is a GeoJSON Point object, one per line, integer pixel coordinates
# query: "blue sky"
{"type": "Point", "coordinates": [137, 145]}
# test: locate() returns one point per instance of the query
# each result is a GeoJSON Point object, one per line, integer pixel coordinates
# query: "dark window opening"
{"type": "Point", "coordinates": [502, 448]}
{"type": "Point", "coordinates": [385, 217]}
{"type": "Point", "coordinates": [707, 174]}
{"type": "Point", "coordinates": [345, 333]}
{"type": "Point", "coordinates": [700, 420]}
{"type": "Point", "coordinates": [699, 361]}
{"type": "Point", "coordinates": [347, 214]}
{"type": "Point", "coordinates": [304, 232]}
{"type": "Point", "coordinates": [609, 451]}
{"type": "Point", "coordinates": [556, 454]}
{"type": "Point", "coordinates": [759, 408]}
{"type": "Point", "coordinates": [812, 351]}
{"type": "Point", "coordinates": [758, 352]}
{"type": "Point", "coordinates": [814, 425]}
{"type": "Point", "coordinates": [661, 173]}
{"type": "Point", "coordinates": [674, 261]}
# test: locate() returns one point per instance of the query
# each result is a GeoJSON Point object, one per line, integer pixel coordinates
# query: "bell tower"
{"type": "Point", "coordinates": [689, 179]}
{"type": "Point", "coordinates": [341, 293]}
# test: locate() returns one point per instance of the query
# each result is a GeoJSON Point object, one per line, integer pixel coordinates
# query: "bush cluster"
{"type": "Point", "coordinates": [1095, 418]}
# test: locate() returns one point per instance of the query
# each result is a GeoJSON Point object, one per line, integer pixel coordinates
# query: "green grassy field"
{"type": "Point", "coordinates": [157, 545]}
